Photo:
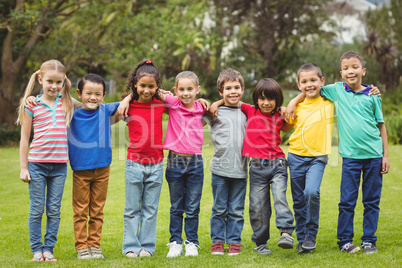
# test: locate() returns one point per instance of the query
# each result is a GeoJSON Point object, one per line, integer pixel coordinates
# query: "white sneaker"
{"type": "Point", "coordinates": [191, 248]}
{"type": "Point", "coordinates": [175, 250]}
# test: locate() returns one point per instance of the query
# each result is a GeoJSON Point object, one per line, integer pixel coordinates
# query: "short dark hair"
{"type": "Point", "coordinates": [268, 88]}
{"type": "Point", "coordinates": [352, 54]}
{"type": "Point", "coordinates": [307, 67]}
{"type": "Point", "coordinates": [229, 75]}
{"type": "Point", "coordinates": [94, 78]}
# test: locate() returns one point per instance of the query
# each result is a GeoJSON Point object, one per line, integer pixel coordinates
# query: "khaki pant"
{"type": "Point", "coordinates": [89, 197]}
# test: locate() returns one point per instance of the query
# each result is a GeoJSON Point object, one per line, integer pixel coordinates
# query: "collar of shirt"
{"type": "Point", "coordinates": [364, 91]}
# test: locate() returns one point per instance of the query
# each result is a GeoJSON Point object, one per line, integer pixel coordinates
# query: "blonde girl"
{"type": "Point", "coordinates": [44, 168]}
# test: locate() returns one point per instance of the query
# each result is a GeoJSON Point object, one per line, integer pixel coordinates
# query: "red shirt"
{"type": "Point", "coordinates": [262, 134]}
{"type": "Point", "coordinates": [145, 131]}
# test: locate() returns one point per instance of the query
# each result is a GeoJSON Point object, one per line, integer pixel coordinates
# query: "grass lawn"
{"type": "Point", "coordinates": [14, 207]}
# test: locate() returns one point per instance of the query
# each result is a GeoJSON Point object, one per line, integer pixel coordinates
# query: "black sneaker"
{"type": "Point", "coordinates": [350, 248]}
{"type": "Point", "coordinates": [301, 250]}
{"type": "Point", "coordinates": [309, 242]}
{"type": "Point", "coordinates": [369, 248]}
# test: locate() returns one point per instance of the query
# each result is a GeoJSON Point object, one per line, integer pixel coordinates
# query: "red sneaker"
{"type": "Point", "coordinates": [217, 248]}
{"type": "Point", "coordinates": [234, 249]}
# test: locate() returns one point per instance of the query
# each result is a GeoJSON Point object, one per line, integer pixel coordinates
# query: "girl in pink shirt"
{"type": "Point", "coordinates": [185, 170]}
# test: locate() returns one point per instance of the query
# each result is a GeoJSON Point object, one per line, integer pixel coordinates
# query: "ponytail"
{"type": "Point", "coordinates": [67, 101]}
{"type": "Point", "coordinates": [28, 91]}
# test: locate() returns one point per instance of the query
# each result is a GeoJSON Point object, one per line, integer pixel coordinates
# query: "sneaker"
{"type": "Point", "coordinates": [96, 253]}
{"type": "Point", "coordinates": [83, 254]}
{"type": "Point", "coordinates": [369, 248]}
{"type": "Point", "coordinates": [217, 248]}
{"type": "Point", "coordinates": [301, 250]}
{"type": "Point", "coordinates": [131, 254]}
{"type": "Point", "coordinates": [350, 248]}
{"type": "Point", "coordinates": [286, 242]}
{"type": "Point", "coordinates": [175, 250]}
{"type": "Point", "coordinates": [234, 249]}
{"type": "Point", "coordinates": [145, 253]}
{"type": "Point", "coordinates": [309, 242]}
{"type": "Point", "coordinates": [263, 249]}
{"type": "Point", "coordinates": [191, 249]}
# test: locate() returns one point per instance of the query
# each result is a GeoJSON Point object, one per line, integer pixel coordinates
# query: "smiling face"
{"type": "Point", "coordinates": [186, 89]}
{"type": "Point", "coordinates": [146, 88]}
{"type": "Point", "coordinates": [310, 84]}
{"type": "Point", "coordinates": [266, 105]}
{"type": "Point", "coordinates": [92, 95]}
{"type": "Point", "coordinates": [352, 71]}
{"type": "Point", "coordinates": [232, 93]}
{"type": "Point", "coordinates": [52, 83]}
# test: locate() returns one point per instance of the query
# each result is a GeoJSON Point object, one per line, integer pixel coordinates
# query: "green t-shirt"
{"type": "Point", "coordinates": [358, 115]}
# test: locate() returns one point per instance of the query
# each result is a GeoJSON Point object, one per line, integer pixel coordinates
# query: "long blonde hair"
{"type": "Point", "coordinates": [67, 102]}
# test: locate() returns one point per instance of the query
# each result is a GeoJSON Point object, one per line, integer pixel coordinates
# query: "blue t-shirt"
{"type": "Point", "coordinates": [89, 134]}
{"type": "Point", "coordinates": [358, 116]}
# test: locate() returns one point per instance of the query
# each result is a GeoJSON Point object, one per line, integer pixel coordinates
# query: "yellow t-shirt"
{"type": "Point", "coordinates": [314, 124]}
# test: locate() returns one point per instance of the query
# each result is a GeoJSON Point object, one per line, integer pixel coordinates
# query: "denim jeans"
{"type": "Point", "coordinates": [45, 188]}
{"type": "Point", "coordinates": [371, 190]}
{"type": "Point", "coordinates": [305, 176]}
{"type": "Point", "coordinates": [143, 188]}
{"type": "Point", "coordinates": [185, 177]}
{"type": "Point", "coordinates": [266, 174]}
{"type": "Point", "coordinates": [228, 209]}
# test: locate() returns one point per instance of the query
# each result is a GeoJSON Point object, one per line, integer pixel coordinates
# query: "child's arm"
{"type": "Point", "coordinates": [286, 127]}
{"type": "Point", "coordinates": [24, 145]}
{"type": "Point", "coordinates": [204, 103]}
{"type": "Point", "coordinates": [124, 106]}
{"type": "Point", "coordinates": [213, 110]}
{"type": "Point", "coordinates": [384, 137]}
{"type": "Point", "coordinates": [291, 108]}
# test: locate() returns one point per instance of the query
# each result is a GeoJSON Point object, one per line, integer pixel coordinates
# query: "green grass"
{"type": "Point", "coordinates": [14, 206]}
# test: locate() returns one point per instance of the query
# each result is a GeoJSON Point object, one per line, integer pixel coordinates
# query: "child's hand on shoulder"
{"type": "Point", "coordinates": [30, 102]}
{"type": "Point", "coordinates": [204, 104]}
{"type": "Point", "coordinates": [165, 92]}
{"type": "Point", "coordinates": [374, 91]}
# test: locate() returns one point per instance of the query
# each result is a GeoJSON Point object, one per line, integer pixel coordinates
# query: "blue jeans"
{"type": "Point", "coordinates": [45, 188]}
{"type": "Point", "coordinates": [228, 209]}
{"type": "Point", "coordinates": [266, 174]}
{"type": "Point", "coordinates": [306, 175]}
{"type": "Point", "coordinates": [371, 190]}
{"type": "Point", "coordinates": [185, 176]}
{"type": "Point", "coordinates": [143, 188]}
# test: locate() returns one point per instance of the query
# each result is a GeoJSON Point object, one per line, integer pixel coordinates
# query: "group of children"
{"type": "Point", "coordinates": [243, 136]}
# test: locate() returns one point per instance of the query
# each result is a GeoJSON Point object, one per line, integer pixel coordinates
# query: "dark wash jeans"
{"type": "Point", "coordinates": [268, 175]}
{"type": "Point", "coordinates": [185, 177]}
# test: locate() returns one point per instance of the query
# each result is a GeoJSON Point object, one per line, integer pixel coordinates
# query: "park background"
{"type": "Point", "coordinates": [260, 38]}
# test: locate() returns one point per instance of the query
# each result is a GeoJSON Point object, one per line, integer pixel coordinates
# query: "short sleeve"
{"type": "Point", "coordinates": [29, 111]}
{"type": "Point", "coordinates": [245, 108]}
{"type": "Point", "coordinates": [377, 103]}
{"type": "Point", "coordinates": [329, 92]}
{"type": "Point", "coordinates": [208, 119]}
{"type": "Point", "coordinates": [111, 108]}
{"type": "Point", "coordinates": [170, 100]}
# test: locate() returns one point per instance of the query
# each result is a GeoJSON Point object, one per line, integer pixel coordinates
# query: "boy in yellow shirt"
{"type": "Point", "coordinates": [309, 147]}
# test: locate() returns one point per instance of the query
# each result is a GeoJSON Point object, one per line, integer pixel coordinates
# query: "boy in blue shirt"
{"type": "Point", "coordinates": [363, 146]}
{"type": "Point", "coordinates": [90, 154]}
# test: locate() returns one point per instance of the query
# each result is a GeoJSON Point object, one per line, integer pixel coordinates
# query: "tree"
{"type": "Point", "coordinates": [23, 26]}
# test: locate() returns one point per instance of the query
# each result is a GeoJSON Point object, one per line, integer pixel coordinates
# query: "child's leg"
{"type": "Point", "coordinates": [298, 170]}
{"type": "Point", "coordinates": [132, 211]}
{"type": "Point", "coordinates": [220, 192]}
{"type": "Point", "coordinates": [260, 202]}
{"type": "Point", "coordinates": [312, 192]}
{"type": "Point", "coordinates": [235, 215]}
{"type": "Point", "coordinates": [153, 180]}
{"type": "Point", "coordinates": [81, 188]}
{"type": "Point", "coordinates": [351, 172]}
{"type": "Point", "coordinates": [176, 165]}
{"type": "Point", "coordinates": [55, 189]}
{"type": "Point", "coordinates": [283, 216]}
{"type": "Point", "coordinates": [98, 195]}
{"type": "Point", "coordinates": [193, 191]}
{"type": "Point", "coordinates": [37, 193]}
{"type": "Point", "coordinates": [371, 188]}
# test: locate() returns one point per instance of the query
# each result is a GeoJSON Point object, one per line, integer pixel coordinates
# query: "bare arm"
{"type": "Point", "coordinates": [24, 146]}
{"type": "Point", "coordinates": [286, 127]}
{"type": "Point", "coordinates": [384, 137]}
{"type": "Point", "coordinates": [291, 108]}
{"type": "Point", "coordinates": [213, 110]}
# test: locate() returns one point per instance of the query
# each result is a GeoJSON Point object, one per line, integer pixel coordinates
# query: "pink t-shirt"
{"type": "Point", "coordinates": [184, 132]}
{"type": "Point", "coordinates": [262, 134]}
